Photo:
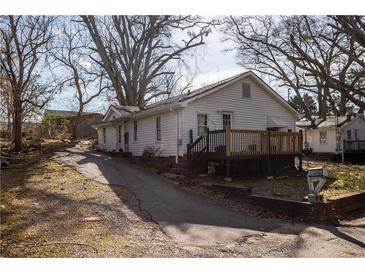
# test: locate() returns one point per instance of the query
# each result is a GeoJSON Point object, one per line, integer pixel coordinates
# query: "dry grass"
{"type": "Point", "coordinates": [343, 179]}
{"type": "Point", "coordinates": [50, 210]}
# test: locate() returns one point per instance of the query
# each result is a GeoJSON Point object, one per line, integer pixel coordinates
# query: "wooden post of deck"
{"type": "Point", "coordinates": [191, 136]}
{"type": "Point", "coordinates": [207, 150]}
{"type": "Point", "coordinates": [228, 142]}
{"type": "Point", "coordinates": [268, 158]}
{"type": "Point", "coordinates": [228, 152]}
{"type": "Point", "coordinates": [300, 150]}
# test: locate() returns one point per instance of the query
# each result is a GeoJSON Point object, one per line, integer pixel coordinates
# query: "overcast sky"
{"type": "Point", "coordinates": [211, 63]}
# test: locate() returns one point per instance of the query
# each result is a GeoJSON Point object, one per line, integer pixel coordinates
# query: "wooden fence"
{"type": "Point", "coordinates": [239, 143]}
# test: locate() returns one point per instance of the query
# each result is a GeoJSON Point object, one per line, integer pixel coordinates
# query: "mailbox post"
{"type": "Point", "coordinates": [316, 180]}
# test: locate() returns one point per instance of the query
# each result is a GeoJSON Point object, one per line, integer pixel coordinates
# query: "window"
{"type": "Point", "coordinates": [349, 135]}
{"type": "Point", "coordinates": [126, 138]}
{"type": "Point", "coordinates": [356, 134]}
{"type": "Point", "coordinates": [202, 124]}
{"type": "Point", "coordinates": [246, 90]}
{"type": "Point", "coordinates": [135, 127]}
{"type": "Point", "coordinates": [227, 122]}
{"type": "Point", "coordinates": [323, 137]}
{"type": "Point", "coordinates": [119, 134]}
{"type": "Point", "coordinates": [158, 128]}
{"type": "Point", "coordinates": [104, 135]}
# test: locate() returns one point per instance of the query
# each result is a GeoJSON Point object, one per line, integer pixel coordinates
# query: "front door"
{"type": "Point", "coordinates": [126, 142]}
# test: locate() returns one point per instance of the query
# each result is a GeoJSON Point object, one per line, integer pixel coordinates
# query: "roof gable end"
{"type": "Point", "coordinates": [240, 77]}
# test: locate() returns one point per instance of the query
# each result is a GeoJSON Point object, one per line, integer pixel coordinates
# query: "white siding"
{"type": "Point", "coordinates": [247, 113]}
{"type": "Point", "coordinates": [146, 135]}
{"type": "Point", "coordinates": [110, 143]}
{"type": "Point", "coordinates": [358, 124]}
{"type": "Point", "coordinates": [313, 140]}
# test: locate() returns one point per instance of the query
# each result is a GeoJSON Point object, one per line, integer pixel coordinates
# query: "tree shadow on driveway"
{"type": "Point", "coordinates": [187, 216]}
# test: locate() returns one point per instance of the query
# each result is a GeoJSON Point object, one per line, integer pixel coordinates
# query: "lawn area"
{"type": "Point", "coordinates": [343, 179]}
{"type": "Point", "coordinates": [50, 210]}
{"type": "Point", "coordinates": [346, 178]}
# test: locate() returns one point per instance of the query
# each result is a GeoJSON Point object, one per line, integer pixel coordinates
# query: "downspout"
{"type": "Point", "coordinates": [177, 135]}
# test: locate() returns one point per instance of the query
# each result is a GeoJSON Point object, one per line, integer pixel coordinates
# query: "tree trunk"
{"type": "Point", "coordinates": [322, 102]}
{"type": "Point", "coordinates": [75, 128]}
{"type": "Point", "coordinates": [9, 120]}
{"type": "Point", "coordinates": [342, 108]}
{"type": "Point", "coordinates": [17, 124]}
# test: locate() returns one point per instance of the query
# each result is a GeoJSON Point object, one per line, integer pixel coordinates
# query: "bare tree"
{"type": "Point", "coordinates": [353, 26]}
{"type": "Point", "coordinates": [139, 53]}
{"type": "Point", "coordinates": [259, 46]}
{"type": "Point", "coordinates": [80, 73]}
{"type": "Point", "coordinates": [301, 53]}
{"type": "Point", "coordinates": [24, 41]}
{"type": "Point", "coordinates": [343, 72]}
{"type": "Point", "coordinates": [6, 101]}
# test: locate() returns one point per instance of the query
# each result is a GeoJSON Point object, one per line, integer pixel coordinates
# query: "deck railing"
{"type": "Point", "coordinates": [239, 143]}
{"type": "Point", "coordinates": [260, 143]}
{"type": "Point", "coordinates": [352, 146]}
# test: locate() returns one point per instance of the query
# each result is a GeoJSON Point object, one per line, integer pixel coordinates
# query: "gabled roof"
{"type": "Point", "coordinates": [359, 116]}
{"type": "Point", "coordinates": [186, 98]}
{"type": "Point", "coordinates": [192, 94]}
{"type": "Point", "coordinates": [121, 111]}
{"type": "Point", "coordinates": [206, 90]}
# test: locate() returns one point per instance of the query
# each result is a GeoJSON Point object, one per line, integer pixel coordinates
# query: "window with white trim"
{"type": "Point", "coordinates": [104, 135]}
{"type": "Point", "coordinates": [349, 137]}
{"type": "Point", "coordinates": [323, 137]}
{"type": "Point", "coordinates": [202, 124]}
{"type": "Point", "coordinates": [158, 128]}
{"type": "Point", "coordinates": [135, 128]}
{"type": "Point", "coordinates": [227, 120]}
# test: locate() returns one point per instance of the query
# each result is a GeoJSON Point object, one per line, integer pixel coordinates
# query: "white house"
{"type": "Point", "coordinates": [244, 102]}
{"type": "Point", "coordinates": [327, 136]}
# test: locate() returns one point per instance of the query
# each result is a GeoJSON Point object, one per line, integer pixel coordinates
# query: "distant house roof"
{"type": "Point", "coordinates": [335, 121]}
{"type": "Point", "coordinates": [66, 113]}
{"type": "Point", "coordinates": [304, 123]}
{"type": "Point", "coordinates": [329, 122]}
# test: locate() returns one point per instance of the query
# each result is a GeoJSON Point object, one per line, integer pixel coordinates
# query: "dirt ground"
{"type": "Point", "coordinates": [50, 210]}
{"type": "Point", "coordinates": [342, 179]}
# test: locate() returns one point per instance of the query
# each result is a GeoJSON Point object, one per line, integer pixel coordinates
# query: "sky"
{"type": "Point", "coordinates": [210, 63]}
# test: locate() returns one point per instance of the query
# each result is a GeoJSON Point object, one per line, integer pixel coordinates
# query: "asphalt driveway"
{"type": "Point", "coordinates": [193, 219]}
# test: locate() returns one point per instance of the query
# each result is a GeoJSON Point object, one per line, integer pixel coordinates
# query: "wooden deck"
{"type": "Point", "coordinates": [233, 144]}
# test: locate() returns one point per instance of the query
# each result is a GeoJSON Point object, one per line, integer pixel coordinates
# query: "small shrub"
{"type": "Point", "coordinates": [151, 152]}
{"type": "Point", "coordinates": [148, 152]}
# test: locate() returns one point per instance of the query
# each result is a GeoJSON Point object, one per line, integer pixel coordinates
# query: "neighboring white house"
{"type": "Point", "coordinates": [243, 101]}
{"type": "Point", "coordinates": [326, 136]}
